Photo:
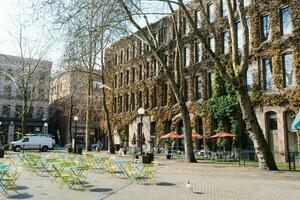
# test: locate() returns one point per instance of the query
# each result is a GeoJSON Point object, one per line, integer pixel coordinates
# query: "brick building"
{"type": "Point", "coordinates": [272, 77]}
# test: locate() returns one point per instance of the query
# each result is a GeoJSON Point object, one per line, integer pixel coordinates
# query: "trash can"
{"type": "Point", "coordinates": [151, 156]}
{"type": "Point", "coordinates": [79, 149]}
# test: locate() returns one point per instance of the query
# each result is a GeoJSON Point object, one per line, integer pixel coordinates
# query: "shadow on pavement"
{"type": "Point", "coordinates": [20, 196]}
{"type": "Point", "coordinates": [101, 190]}
{"type": "Point", "coordinates": [198, 192]}
{"type": "Point", "coordinates": [165, 184]}
{"type": "Point", "coordinates": [21, 188]}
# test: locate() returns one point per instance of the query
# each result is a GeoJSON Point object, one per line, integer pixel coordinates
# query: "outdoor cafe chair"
{"type": "Point", "coordinates": [8, 177]}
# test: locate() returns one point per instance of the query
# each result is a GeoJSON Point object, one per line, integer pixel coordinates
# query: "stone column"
{"type": "Point", "coordinates": [298, 138]}
{"type": "Point", "coordinates": [11, 132]}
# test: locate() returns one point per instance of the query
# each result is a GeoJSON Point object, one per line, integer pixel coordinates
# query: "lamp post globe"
{"type": "Point", "coordinates": [141, 111]}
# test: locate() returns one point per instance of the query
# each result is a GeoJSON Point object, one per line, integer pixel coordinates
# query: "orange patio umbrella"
{"type": "Point", "coordinates": [171, 135]}
{"type": "Point", "coordinates": [222, 135]}
{"type": "Point", "coordinates": [199, 136]}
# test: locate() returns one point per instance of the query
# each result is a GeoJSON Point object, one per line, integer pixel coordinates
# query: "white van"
{"type": "Point", "coordinates": [33, 142]}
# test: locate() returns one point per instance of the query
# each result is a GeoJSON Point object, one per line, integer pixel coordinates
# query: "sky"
{"type": "Point", "coordinates": [11, 9]}
{"type": "Point", "coordinates": [9, 12]}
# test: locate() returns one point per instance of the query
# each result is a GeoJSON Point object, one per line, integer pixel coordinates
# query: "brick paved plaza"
{"type": "Point", "coordinates": [209, 181]}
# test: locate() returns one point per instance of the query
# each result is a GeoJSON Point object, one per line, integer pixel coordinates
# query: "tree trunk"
{"type": "Point", "coordinates": [189, 150]}
{"type": "Point", "coordinates": [111, 146]}
{"type": "Point", "coordinates": [264, 154]}
{"type": "Point", "coordinates": [89, 113]}
{"type": "Point", "coordinates": [70, 135]}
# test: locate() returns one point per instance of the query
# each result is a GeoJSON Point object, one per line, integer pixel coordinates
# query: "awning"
{"type": "Point", "coordinates": [296, 122]}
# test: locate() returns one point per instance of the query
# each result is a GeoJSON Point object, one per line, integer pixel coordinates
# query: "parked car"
{"type": "Point", "coordinates": [33, 142]}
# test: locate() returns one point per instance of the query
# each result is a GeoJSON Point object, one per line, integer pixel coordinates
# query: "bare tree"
{"type": "Point", "coordinates": [234, 69]}
{"type": "Point", "coordinates": [174, 75]}
{"type": "Point", "coordinates": [28, 71]}
{"type": "Point", "coordinates": [91, 25]}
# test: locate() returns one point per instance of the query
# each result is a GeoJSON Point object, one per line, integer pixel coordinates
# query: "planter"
{"type": "Point", "coordinates": [151, 156]}
{"type": "Point", "coordinates": [69, 149]}
{"type": "Point", "coordinates": [145, 159]}
{"type": "Point", "coordinates": [1, 153]}
{"type": "Point", "coordinates": [79, 150]}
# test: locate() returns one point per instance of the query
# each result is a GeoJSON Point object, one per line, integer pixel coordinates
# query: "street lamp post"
{"type": "Point", "coordinates": [141, 112]}
{"type": "Point", "coordinates": [45, 128]}
{"type": "Point", "coordinates": [1, 133]}
{"type": "Point", "coordinates": [75, 134]}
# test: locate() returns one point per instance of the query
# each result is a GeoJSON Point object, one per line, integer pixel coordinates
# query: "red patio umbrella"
{"type": "Point", "coordinates": [222, 135]}
{"type": "Point", "coordinates": [199, 136]}
{"type": "Point", "coordinates": [171, 135]}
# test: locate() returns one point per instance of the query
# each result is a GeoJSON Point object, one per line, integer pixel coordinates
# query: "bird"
{"type": "Point", "coordinates": [189, 185]}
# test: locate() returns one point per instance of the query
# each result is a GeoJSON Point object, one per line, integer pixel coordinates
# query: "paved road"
{"type": "Point", "coordinates": [209, 182]}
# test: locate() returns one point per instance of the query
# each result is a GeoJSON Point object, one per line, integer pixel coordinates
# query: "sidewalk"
{"type": "Point", "coordinates": [209, 182]}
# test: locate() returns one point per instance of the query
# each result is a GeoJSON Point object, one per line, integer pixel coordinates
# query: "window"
{"type": "Point", "coordinates": [164, 99]}
{"type": "Point", "coordinates": [272, 121]}
{"type": "Point", "coordinates": [147, 48]}
{"type": "Point", "coordinates": [146, 99]}
{"type": "Point", "coordinates": [266, 29]}
{"type": "Point", "coordinates": [224, 8]}
{"type": "Point", "coordinates": [162, 34]}
{"type": "Point", "coordinates": [40, 113]}
{"type": "Point", "coordinates": [186, 89]}
{"type": "Point", "coordinates": [155, 68]}
{"type": "Point", "coordinates": [225, 42]}
{"type": "Point", "coordinates": [120, 104]}
{"type": "Point", "coordinates": [267, 74]}
{"type": "Point", "coordinates": [121, 80]}
{"type": "Point", "coordinates": [133, 75]}
{"type": "Point", "coordinates": [126, 96]}
{"type": "Point", "coordinates": [121, 56]}
{"type": "Point", "coordinates": [127, 53]}
{"type": "Point", "coordinates": [285, 21]}
{"type": "Point", "coordinates": [186, 56]}
{"type": "Point", "coordinates": [247, 3]}
{"type": "Point", "coordinates": [154, 97]}
{"type": "Point", "coordinates": [211, 41]}
{"type": "Point", "coordinates": [211, 12]}
{"type": "Point", "coordinates": [289, 73]}
{"type": "Point", "coordinates": [250, 77]}
{"type": "Point", "coordinates": [140, 99]}
{"type": "Point", "coordinates": [198, 92]}
{"type": "Point", "coordinates": [41, 93]}
{"type": "Point", "coordinates": [7, 91]}
{"type": "Point", "coordinates": [30, 113]}
{"type": "Point", "coordinates": [6, 111]}
{"type": "Point", "coordinates": [133, 51]}
{"type": "Point", "coordinates": [141, 48]}
{"type": "Point", "coordinates": [239, 34]}
{"type": "Point", "coordinates": [198, 52]}
{"type": "Point", "coordinates": [166, 59]}
{"type": "Point", "coordinates": [198, 18]}
{"type": "Point", "coordinates": [19, 109]}
{"type": "Point", "coordinates": [132, 102]}
{"type": "Point", "coordinates": [211, 84]}
{"type": "Point", "coordinates": [116, 59]}
{"type": "Point", "coordinates": [185, 26]}
{"type": "Point", "coordinates": [127, 77]}
{"type": "Point", "coordinates": [141, 72]}
{"type": "Point", "coordinates": [147, 70]}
